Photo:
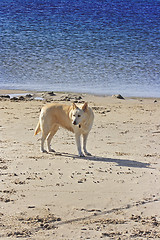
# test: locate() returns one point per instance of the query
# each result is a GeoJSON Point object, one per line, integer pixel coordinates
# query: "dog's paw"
{"type": "Point", "coordinates": [51, 150]}
{"type": "Point", "coordinates": [81, 155]}
{"type": "Point", "coordinates": [43, 151]}
{"type": "Point", "coordinates": [88, 154]}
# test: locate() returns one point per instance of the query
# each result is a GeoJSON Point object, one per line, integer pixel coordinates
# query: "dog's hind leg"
{"type": "Point", "coordinates": [85, 136]}
{"type": "Point", "coordinates": [44, 135]}
{"type": "Point", "coordinates": [45, 132]}
{"type": "Point", "coordinates": [50, 136]}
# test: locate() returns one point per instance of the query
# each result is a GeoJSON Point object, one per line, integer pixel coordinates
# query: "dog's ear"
{"type": "Point", "coordinates": [85, 106]}
{"type": "Point", "coordinates": [74, 106]}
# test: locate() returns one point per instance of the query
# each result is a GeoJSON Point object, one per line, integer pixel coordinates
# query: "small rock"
{"type": "Point", "coordinates": [29, 96]}
{"type": "Point", "coordinates": [78, 98]}
{"type": "Point", "coordinates": [82, 180]}
{"type": "Point", "coordinates": [4, 96]}
{"type": "Point", "coordinates": [106, 234]}
{"type": "Point", "coordinates": [51, 94]}
{"type": "Point", "coordinates": [21, 98]}
{"type": "Point", "coordinates": [6, 200]}
{"type": "Point", "coordinates": [14, 99]}
{"type": "Point", "coordinates": [84, 229]}
{"type": "Point", "coordinates": [46, 226]}
{"type": "Point", "coordinates": [67, 99]}
{"type": "Point", "coordinates": [118, 96]}
{"type": "Point", "coordinates": [17, 181]}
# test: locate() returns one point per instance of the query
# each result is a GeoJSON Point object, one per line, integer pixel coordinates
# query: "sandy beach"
{"type": "Point", "coordinates": [113, 194]}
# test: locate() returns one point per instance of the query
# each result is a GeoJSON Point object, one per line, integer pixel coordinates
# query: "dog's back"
{"type": "Point", "coordinates": [52, 114]}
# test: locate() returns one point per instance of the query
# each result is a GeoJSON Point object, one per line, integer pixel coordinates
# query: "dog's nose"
{"type": "Point", "coordinates": [74, 123]}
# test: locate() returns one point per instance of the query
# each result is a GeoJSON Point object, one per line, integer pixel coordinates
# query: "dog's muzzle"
{"type": "Point", "coordinates": [74, 123]}
{"type": "Point", "coordinates": [79, 125]}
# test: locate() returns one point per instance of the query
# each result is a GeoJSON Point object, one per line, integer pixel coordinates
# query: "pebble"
{"type": "Point", "coordinates": [118, 96]}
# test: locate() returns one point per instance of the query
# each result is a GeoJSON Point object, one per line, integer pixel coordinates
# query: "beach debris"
{"type": "Point", "coordinates": [14, 99]}
{"type": "Point", "coordinates": [82, 180]}
{"type": "Point", "coordinates": [51, 93]}
{"type": "Point", "coordinates": [18, 234]}
{"type": "Point", "coordinates": [119, 96]}
{"type": "Point", "coordinates": [29, 95]}
{"type": "Point", "coordinates": [21, 98]}
{"type": "Point", "coordinates": [44, 222]}
{"type": "Point", "coordinates": [72, 97]}
{"type": "Point", "coordinates": [5, 199]}
{"type": "Point", "coordinates": [18, 181]}
{"type": "Point", "coordinates": [5, 96]}
{"type": "Point", "coordinates": [66, 98]}
{"type": "Point", "coordinates": [78, 99]}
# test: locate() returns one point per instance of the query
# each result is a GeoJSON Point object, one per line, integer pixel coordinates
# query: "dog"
{"type": "Point", "coordinates": [77, 119]}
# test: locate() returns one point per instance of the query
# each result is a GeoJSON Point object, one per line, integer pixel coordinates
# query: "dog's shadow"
{"type": "Point", "coordinates": [119, 162]}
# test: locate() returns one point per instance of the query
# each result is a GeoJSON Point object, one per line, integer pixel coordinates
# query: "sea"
{"type": "Point", "coordinates": [102, 47]}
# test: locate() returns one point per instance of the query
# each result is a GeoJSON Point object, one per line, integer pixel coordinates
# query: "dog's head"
{"type": "Point", "coordinates": [77, 114]}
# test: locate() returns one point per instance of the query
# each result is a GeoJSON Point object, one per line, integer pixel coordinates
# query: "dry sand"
{"type": "Point", "coordinates": [114, 194]}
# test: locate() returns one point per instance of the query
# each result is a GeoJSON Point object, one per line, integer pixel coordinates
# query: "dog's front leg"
{"type": "Point", "coordinates": [85, 136]}
{"type": "Point", "coordinates": [78, 142]}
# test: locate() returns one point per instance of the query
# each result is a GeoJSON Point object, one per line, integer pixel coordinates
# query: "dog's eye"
{"type": "Point", "coordinates": [79, 115]}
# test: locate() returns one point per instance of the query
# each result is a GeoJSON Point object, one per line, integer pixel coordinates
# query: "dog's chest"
{"type": "Point", "coordinates": [84, 128]}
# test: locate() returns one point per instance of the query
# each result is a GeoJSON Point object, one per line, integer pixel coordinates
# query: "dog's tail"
{"type": "Point", "coordinates": [38, 129]}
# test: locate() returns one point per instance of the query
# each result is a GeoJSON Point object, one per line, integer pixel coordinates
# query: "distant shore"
{"type": "Point", "coordinates": [38, 93]}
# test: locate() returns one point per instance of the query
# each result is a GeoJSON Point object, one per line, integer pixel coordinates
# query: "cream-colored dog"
{"type": "Point", "coordinates": [78, 120]}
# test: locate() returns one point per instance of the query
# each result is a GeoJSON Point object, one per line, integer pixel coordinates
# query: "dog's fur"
{"type": "Point", "coordinates": [78, 120]}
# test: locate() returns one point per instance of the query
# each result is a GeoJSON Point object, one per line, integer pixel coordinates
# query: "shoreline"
{"type": "Point", "coordinates": [59, 195]}
{"type": "Point", "coordinates": [19, 92]}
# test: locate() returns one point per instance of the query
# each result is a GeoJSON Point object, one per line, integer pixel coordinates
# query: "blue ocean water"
{"type": "Point", "coordinates": [95, 46]}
